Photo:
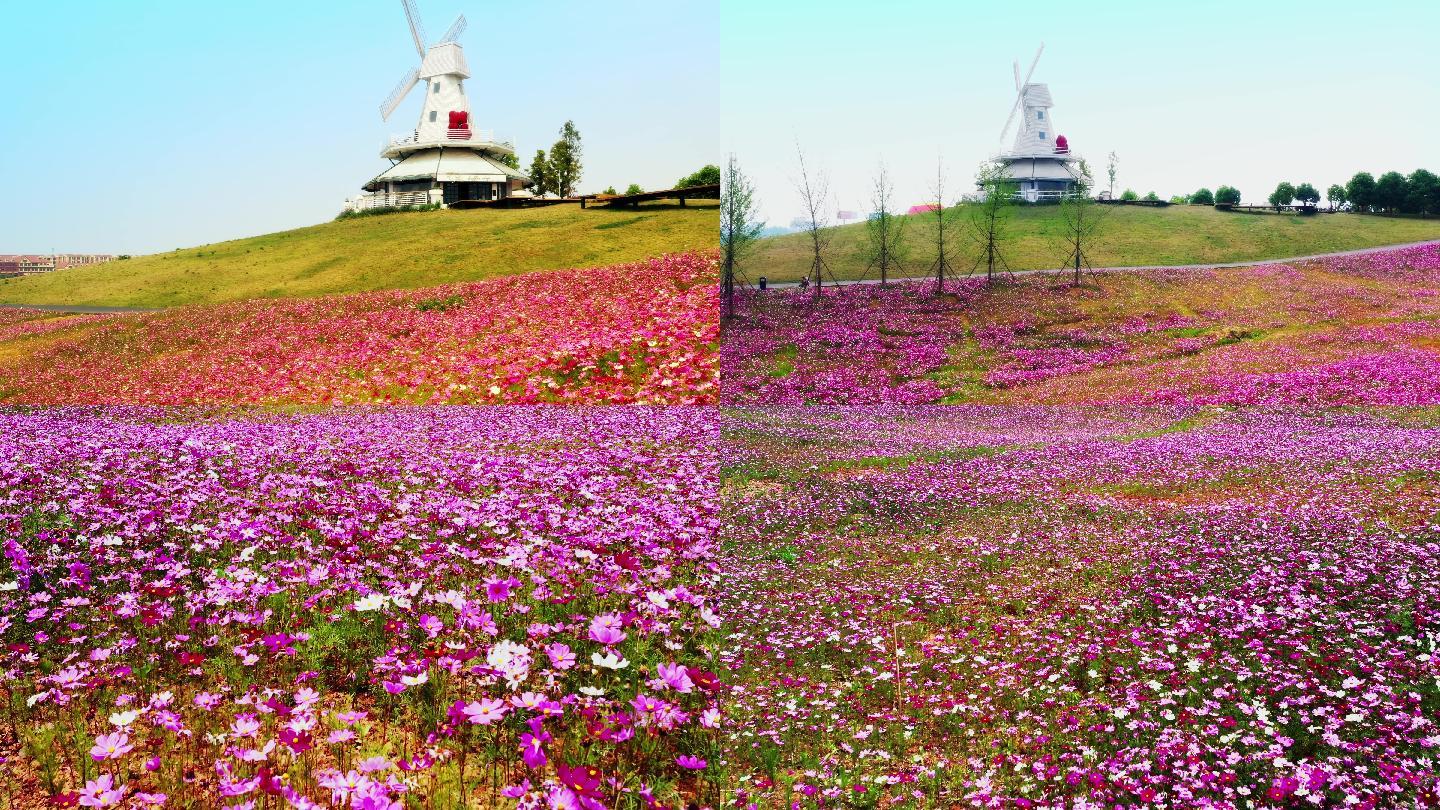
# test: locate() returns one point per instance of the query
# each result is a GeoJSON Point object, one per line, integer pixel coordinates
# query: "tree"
{"type": "Point", "coordinates": [941, 267]}
{"type": "Point", "coordinates": [610, 190]}
{"type": "Point", "coordinates": [739, 228]}
{"type": "Point", "coordinates": [565, 160]}
{"type": "Point", "coordinates": [1080, 219]}
{"type": "Point", "coordinates": [1423, 192]}
{"type": "Point", "coordinates": [1390, 191]}
{"type": "Point", "coordinates": [884, 246]}
{"type": "Point", "coordinates": [1360, 192]}
{"type": "Point", "coordinates": [633, 188]}
{"type": "Point", "coordinates": [706, 176]}
{"type": "Point", "coordinates": [1284, 194]}
{"type": "Point", "coordinates": [540, 171]}
{"type": "Point", "coordinates": [815, 194]}
{"type": "Point", "coordinates": [1307, 195]}
{"type": "Point", "coordinates": [1227, 195]}
{"type": "Point", "coordinates": [1110, 170]}
{"type": "Point", "coordinates": [509, 159]}
{"type": "Point", "coordinates": [1151, 196]}
{"type": "Point", "coordinates": [990, 215]}
{"type": "Point", "coordinates": [1130, 195]}
{"type": "Point", "coordinates": [1335, 195]}
{"type": "Point", "coordinates": [1202, 197]}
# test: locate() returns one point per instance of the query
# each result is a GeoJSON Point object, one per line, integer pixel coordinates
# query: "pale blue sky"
{"type": "Point", "coordinates": [147, 125]}
{"type": "Point", "coordinates": [1188, 94]}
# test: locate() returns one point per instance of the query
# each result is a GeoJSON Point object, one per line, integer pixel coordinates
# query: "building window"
{"type": "Point", "coordinates": [437, 86]}
{"type": "Point", "coordinates": [1040, 114]}
{"type": "Point", "coordinates": [1042, 132]}
{"type": "Point", "coordinates": [432, 120]}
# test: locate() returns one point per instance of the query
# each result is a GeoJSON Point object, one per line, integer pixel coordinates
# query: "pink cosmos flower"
{"type": "Point", "coordinates": [676, 677]}
{"type": "Point", "coordinates": [245, 725]}
{"type": "Point", "coordinates": [101, 792]}
{"type": "Point", "coordinates": [485, 711]}
{"type": "Point", "coordinates": [691, 763]}
{"type": "Point", "coordinates": [111, 746]}
{"type": "Point", "coordinates": [560, 656]}
{"type": "Point", "coordinates": [532, 750]}
{"type": "Point", "coordinates": [605, 629]}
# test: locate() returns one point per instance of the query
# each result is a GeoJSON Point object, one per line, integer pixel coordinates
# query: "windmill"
{"type": "Point", "coordinates": [1039, 161]}
{"type": "Point", "coordinates": [443, 160]}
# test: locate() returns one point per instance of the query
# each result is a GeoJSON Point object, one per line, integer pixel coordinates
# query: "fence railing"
{"type": "Point", "coordinates": [480, 135]}
{"type": "Point", "coordinates": [383, 199]}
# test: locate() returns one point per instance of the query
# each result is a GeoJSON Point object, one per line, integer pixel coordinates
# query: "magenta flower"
{"type": "Point", "coordinates": [532, 750]}
{"type": "Point", "coordinates": [690, 763]}
{"type": "Point", "coordinates": [111, 746]}
{"type": "Point", "coordinates": [605, 629]}
{"type": "Point", "coordinates": [485, 711]}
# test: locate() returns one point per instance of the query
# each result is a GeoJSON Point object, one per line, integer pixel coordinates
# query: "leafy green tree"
{"type": "Point", "coordinates": [540, 172]}
{"type": "Point", "coordinates": [633, 188]}
{"type": "Point", "coordinates": [1227, 195]}
{"type": "Point", "coordinates": [707, 176]}
{"type": "Point", "coordinates": [1129, 194]}
{"type": "Point", "coordinates": [1422, 192]}
{"type": "Point", "coordinates": [1307, 194]}
{"type": "Point", "coordinates": [1151, 196]}
{"type": "Point", "coordinates": [610, 190]}
{"type": "Point", "coordinates": [565, 160]}
{"type": "Point", "coordinates": [1390, 191]}
{"type": "Point", "coordinates": [509, 159]}
{"type": "Point", "coordinates": [1202, 197]}
{"type": "Point", "coordinates": [1284, 194]}
{"type": "Point", "coordinates": [739, 228]}
{"type": "Point", "coordinates": [1335, 195]}
{"type": "Point", "coordinates": [1360, 192]}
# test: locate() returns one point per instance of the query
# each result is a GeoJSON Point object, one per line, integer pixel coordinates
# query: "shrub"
{"type": "Point", "coordinates": [634, 188]}
{"type": "Point", "coordinates": [1130, 195]}
{"type": "Point", "coordinates": [1151, 196]}
{"type": "Point", "coordinates": [706, 176]}
{"type": "Point", "coordinates": [1227, 195]}
{"type": "Point", "coordinates": [1202, 197]}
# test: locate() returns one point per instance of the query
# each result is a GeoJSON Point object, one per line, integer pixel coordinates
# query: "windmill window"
{"type": "Point", "coordinates": [1040, 114]}
{"type": "Point", "coordinates": [1042, 132]}
{"type": "Point", "coordinates": [437, 87]}
{"type": "Point", "coordinates": [432, 116]}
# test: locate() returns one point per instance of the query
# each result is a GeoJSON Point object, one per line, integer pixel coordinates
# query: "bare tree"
{"type": "Point", "coordinates": [739, 228]}
{"type": "Point", "coordinates": [814, 191]}
{"type": "Point", "coordinates": [1110, 170]}
{"type": "Point", "coordinates": [1080, 219]}
{"type": "Point", "coordinates": [884, 246]}
{"type": "Point", "coordinates": [989, 216]}
{"type": "Point", "coordinates": [941, 267]}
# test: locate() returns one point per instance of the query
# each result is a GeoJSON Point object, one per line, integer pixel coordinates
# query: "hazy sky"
{"type": "Point", "coordinates": [147, 125]}
{"type": "Point", "coordinates": [1187, 94]}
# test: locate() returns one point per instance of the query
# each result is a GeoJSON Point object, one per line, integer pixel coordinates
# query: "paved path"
{"type": "Point", "coordinates": [1360, 252]}
{"type": "Point", "coordinates": [78, 309]}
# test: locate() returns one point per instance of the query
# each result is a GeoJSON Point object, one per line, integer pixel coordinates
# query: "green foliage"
{"type": "Point", "coordinates": [707, 175]}
{"type": "Point", "coordinates": [1151, 196]}
{"type": "Point", "coordinates": [1360, 191]}
{"type": "Point", "coordinates": [445, 304]}
{"type": "Point", "coordinates": [1284, 194]}
{"type": "Point", "coordinates": [1307, 194]}
{"type": "Point", "coordinates": [1227, 195]}
{"type": "Point", "coordinates": [1203, 197]}
{"type": "Point", "coordinates": [1129, 195]}
{"type": "Point", "coordinates": [633, 188]}
{"type": "Point", "coordinates": [610, 190]}
{"type": "Point", "coordinates": [1335, 195]}
{"type": "Point", "coordinates": [1390, 191]}
{"type": "Point", "coordinates": [508, 159]}
{"type": "Point", "coordinates": [1422, 193]}
{"type": "Point", "coordinates": [565, 160]}
{"type": "Point", "coordinates": [540, 173]}
{"type": "Point", "coordinates": [739, 228]}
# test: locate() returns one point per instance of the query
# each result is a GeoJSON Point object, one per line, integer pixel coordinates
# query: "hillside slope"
{"type": "Point", "coordinates": [395, 251]}
{"type": "Point", "coordinates": [1131, 235]}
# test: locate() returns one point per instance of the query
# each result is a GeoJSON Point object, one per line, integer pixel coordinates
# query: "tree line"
{"type": "Point", "coordinates": [1390, 193]}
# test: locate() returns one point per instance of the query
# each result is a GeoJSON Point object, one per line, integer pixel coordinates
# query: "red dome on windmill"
{"type": "Point", "coordinates": [1061, 145]}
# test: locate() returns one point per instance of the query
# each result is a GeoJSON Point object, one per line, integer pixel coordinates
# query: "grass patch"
{"type": "Point", "coordinates": [400, 250]}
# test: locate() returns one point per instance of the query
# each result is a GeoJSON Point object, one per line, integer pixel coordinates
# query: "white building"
{"type": "Point", "coordinates": [1040, 160]}
{"type": "Point", "coordinates": [444, 160]}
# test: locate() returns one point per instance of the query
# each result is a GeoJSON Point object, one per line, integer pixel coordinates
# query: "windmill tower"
{"type": "Point", "coordinates": [1040, 161]}
{"type": "Point", "coordinates": [444, 159]}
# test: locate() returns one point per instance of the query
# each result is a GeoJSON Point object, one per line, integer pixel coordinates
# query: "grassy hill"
{"type": "Point", "coordinates": [394, 251]}
{"type": "Point", "coordinates": [1132, 235]}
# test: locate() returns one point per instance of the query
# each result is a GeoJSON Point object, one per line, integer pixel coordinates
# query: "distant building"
{"type": "Point", "coordinates": [26, 264]}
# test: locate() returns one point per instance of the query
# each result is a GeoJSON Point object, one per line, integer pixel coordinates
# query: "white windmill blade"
{"type": "Point", "coordinates": [417, 29]}
{"type": "Point", "coordinates": [456, 29]}
{"type": "Point", "coordinates": [399, 93]}
{"type": "Point", "coordinates": [1033, 63]}
{"type": "Point", "coordinates": [1016, 66]}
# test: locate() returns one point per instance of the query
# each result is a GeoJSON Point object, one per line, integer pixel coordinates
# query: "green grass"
{"type": "Point", "coordinates": [1131, 235]}
{"type": "Point", "coordinates": [403, 250]}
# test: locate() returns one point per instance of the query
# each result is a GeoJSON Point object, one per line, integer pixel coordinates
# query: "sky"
{"type": "Point", "coordinates": [148, 125]}
{"type": "Point", "coordinates": [1186, 94]}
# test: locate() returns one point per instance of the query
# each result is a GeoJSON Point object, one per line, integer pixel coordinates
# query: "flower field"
{"type": "Point", "coordinates": [1352, 330]}
{"type": "Point", "coordinates": [421, 607]}
{"type": "Point", "coordinates": [634, 333]}
{"type": "Point", "coordinates": [1103, 607]}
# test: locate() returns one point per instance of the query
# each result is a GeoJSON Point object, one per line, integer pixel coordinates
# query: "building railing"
{"type": "Point", "coordinates": [480, 135]}
{"type": "Point", "coordinates": [383, 199]}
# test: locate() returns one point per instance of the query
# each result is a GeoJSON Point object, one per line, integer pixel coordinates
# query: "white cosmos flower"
{"type": "Point", "coordinates": [374, 601]}
{"type": "Point", "coordinates": [415, 680]}
{"type": "Point", "coordinates": [123, 719]}
{"type": "Point", "coordinates": [609, 660]}
{"type": "Point", "coordinates": [592, 691]}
